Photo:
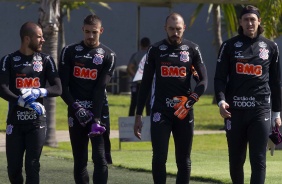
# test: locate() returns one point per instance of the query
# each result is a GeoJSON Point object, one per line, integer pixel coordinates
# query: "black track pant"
{"type": "Point", "coordinates": [162, 125]}
{"type": "Point", "coordinates": [105, 118]}
{"type": "Point", "coordinates": [28, 139]}
{"type": "Point", "coordinates": [79, 142]}
{"type": "Point", "coordinates": [248, 127]}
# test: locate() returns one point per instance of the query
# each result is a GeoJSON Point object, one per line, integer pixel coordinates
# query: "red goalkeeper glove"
{"type": "Point", "coordinates": [184, 105]}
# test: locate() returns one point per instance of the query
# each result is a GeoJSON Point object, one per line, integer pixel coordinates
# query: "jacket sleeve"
{"type": "Point", "coordinates": [55, 87]}
{"type": "Point", "coordinates": [200, 67]}
{"type": "Point", "coordinates": [146, 83]}
{"type": "Point", "coordinates": [221, 72]}
{"type": "Point", "coordinates": [275, 80]}
{"type": "Point", "coordinates": [65, 75]}
{"type": "Point", "coordinates": [5, 92]}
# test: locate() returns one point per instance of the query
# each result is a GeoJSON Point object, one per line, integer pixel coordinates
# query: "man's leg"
{"type": "Point", "coordinates": [160, 134]}
{"type": "Point", "coordinates": [236, 133]}
{"type": "Point", "coordinates": [105, 118]}
{"type": "Point", "coordinates": [15, 147]}
{"type": "Point", "coordinates": [183, 137]}
{"type": "Point", "coordinates": [258, 132]}
{"type": "Point", "coordinates": [34, 140]}
{"type": "Point", "coordinates": [79, 142]}
{"type": "Point", "coordinates": [100, 174]}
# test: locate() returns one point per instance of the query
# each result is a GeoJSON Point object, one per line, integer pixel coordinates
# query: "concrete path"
{"type": "Point", "coordinates": [63, 136]}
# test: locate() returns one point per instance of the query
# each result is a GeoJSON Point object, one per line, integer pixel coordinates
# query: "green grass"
{"type": "Point", "coordinates": [209, 152]}
{"type": "Point", "coordinates": [209, 159]}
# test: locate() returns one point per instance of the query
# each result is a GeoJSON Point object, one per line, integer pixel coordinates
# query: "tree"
{"type": "Point", "coordinates": [271, 13]}
{"type": "Point", "coordinates": [49, 20]}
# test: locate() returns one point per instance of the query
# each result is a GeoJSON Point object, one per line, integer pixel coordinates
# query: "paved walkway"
{"type": "Point", "coordinates": [63, 136]}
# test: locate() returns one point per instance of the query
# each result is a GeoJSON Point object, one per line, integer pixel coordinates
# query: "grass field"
{"type": "Point", "coordinates": [209, 152]}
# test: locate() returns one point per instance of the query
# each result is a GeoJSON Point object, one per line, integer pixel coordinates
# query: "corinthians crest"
{"type": "Point", "coordinates": [184, 56]}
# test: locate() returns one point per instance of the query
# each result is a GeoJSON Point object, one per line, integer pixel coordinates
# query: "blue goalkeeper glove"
{"type": "Point", "coordinates": [37, 107]}
{"type": "Point", "coordinates": [31, 94]}
{"type": "Point", "coordinates": [83, 116]}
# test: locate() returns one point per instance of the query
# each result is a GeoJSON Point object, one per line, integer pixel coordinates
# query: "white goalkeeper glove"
{"type": "Point", "coordinates": [36, 106]}
{"type": "Point", "coordinates": [31, 94]}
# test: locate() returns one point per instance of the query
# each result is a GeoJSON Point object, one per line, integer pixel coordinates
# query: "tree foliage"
{"type": "Point", "coordinates": [271, 13]}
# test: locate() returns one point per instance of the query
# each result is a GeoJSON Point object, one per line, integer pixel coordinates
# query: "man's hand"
{"type": "Point", "coordinates": [83, 116]}
{"type": "Point", "coordinates": [37, 107]}
{"type": "Point", "coordinates": [275, 119]}
{"type": "Point", "coordinates": [138, 126]}
{"type": "Point", "coordinates": [223, 106]}
{"type": "Point", "coordinates": [31, 94]}
{"type": "Point", "coordinates": [184, 105]}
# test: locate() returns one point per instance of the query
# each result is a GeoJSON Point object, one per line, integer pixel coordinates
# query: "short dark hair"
{"type": "Point", "coordinates": [254, 10]}
{"type": "Point", "coordinates": [28, 29]}
{"type": "Point", "coordinates": [92, 19]}
{"type": "Point", "coordinates": [145, 42]}
{"type": "Point", "coordinates": [173, 15]}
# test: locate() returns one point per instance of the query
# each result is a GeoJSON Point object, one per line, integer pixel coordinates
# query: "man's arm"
{"type": "Point", "coordinates": [5, 92]}
{"type": "Point", "coordinates": [103, 80]}
{"type": "Point", "coordinates": [64, 73]}
{"type": "Point", "coordinates": [200, 68]}
{"type": "Point", "coordinates": [275, 81]}
{"type": "Point", "coordinates": [131, 66]}
{"type": "Point", "coordinates": [275, 87]}
{"type": "Point", "coordinates": [55, 87]}
{"type": "Point", "coordinates": [221, 73]}
{"type": "Point", "coordinates": [146, 83]}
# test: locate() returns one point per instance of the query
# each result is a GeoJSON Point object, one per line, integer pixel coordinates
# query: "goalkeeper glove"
{"type": "Point", "coordinates": [37, 107]}
{"type": "Point", "coordinates": [83, 116]}
{"type": "Point", "coordinates": [21, 102]}
{"type": "Point", "coordinates": [31, 94]}
{"type": "Point", "coordinates": [96, 129]}
{"type": "Point", "coordinates": [184, 105]}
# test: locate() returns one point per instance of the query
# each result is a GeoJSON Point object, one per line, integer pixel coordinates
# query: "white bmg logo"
{"type": "Point", "coordinates": [244, 101]}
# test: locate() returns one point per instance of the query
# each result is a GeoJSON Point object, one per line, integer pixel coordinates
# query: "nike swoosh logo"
{"type": "Point", "coordinates": [190, 121]}
{"type": "Point", "coordinates": [105, 116]}
{"type": "Point", "coordinates": [41, 126]}
{"type": "Point", "coordinates": [266, 119]}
